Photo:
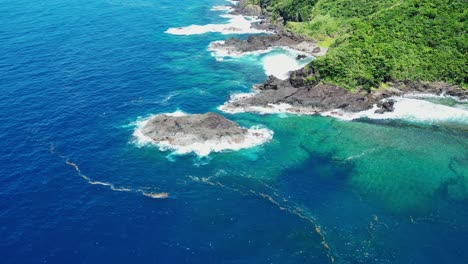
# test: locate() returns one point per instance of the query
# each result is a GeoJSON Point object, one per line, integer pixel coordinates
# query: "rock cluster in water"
{"type": "Point", "coordinates": [189, 129]}
{"type": "Point", "coordinates": [264, 42]}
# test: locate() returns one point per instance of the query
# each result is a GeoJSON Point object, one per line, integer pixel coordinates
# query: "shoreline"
{"type": "Point", "coordinates": [295, 90]}
{"type": "Point", "coordinates": [302, 92]}
{"type": "Point", "coordinates": [280, 96]}
{"type": "Point", "coordinates": [278, 36]}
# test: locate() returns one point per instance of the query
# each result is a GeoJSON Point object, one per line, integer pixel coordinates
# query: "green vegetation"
{"type": "Point", "coordinates": [374, 42]}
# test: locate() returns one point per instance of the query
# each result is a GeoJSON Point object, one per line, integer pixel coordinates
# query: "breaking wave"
{"type": "Point", "coordinates": [277, 61]}
{"type": "Point", "coordinates": [236, 24]}
{"type": "Point", "coordinates": [414, 109]}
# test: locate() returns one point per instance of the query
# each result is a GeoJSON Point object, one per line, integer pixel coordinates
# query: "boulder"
{"type": "Point", "coordinates": [385, 106]}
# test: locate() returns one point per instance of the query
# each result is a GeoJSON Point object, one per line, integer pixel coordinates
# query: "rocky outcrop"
{"type": "Point", "coordinates": [305, 77]}
{"type": "Point", "coordinates": [199, 133]}
{"type": "Point", "coordinates": [189, 129]}
{"type": "Point", "coordinates": [385, 106]}
{"type": "Point", "coordinates": [301, 57]}
{"type": "Point", "coordinates": [302, 93]}
{"type": "Point", "coordinates": [307, 99]}
{"type": "Point", "coordinates": [263, 42]}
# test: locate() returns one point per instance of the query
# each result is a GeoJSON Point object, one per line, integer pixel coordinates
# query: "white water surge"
{"type": "Point", "coordinates": [280, 65]}
{"type": "Point", "coordinates": [276, 61]}
{"type": "Point", "coordinates": [219, 51]}
{"type": "Point", "coordinates": [414, 110]}
{"type": "Point", "coordinates": [255, 136]}
{"type": "Point", "coordinates": [223, 8]}
{"type": "Point", "coordinates": [281, 108]}
{"type": "Point", "coordinates": [236, 24]}
{"type": "Point", "coordinates": [411, 108]}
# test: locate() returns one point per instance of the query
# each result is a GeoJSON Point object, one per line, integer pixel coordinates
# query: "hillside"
{"type": "Point", "coordinates": [375, 42]}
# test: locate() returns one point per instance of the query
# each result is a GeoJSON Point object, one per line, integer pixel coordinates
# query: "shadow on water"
{"type": "Point", "coordinates": [319, 176]}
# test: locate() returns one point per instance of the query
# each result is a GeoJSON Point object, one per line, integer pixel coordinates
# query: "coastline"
{"type": "Point", "coordinates": [294, 87]}
{"type": "Point", "coordinates": [360, 187]}
{"type": "Point", "coordinates": [303, 92]}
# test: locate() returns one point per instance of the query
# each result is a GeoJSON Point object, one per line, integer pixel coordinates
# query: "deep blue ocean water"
{"type": "Point", "coordinates": [76, 75]}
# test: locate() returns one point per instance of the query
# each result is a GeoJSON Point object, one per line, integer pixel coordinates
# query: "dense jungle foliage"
{"type": "Point", "coordinates": [372, 42]}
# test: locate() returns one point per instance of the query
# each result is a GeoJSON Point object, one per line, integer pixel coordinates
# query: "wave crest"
{"type": "Point", "coordinates": [414, 109]}
{"type": "Point", "coordinates": [237, 24]}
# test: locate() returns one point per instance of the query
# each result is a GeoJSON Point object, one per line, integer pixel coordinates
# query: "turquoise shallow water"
{"type": "Point", "coordinates": [76, 75]}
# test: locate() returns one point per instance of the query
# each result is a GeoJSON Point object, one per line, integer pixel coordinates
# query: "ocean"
{"type": "Point", "coordinates": [76, 186]}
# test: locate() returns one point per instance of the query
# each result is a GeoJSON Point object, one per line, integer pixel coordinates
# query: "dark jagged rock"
{"type": "Point", "coordinates": [385, 106]}
{"type": "Point", "coordinates": [304, 77]}
{"type": "Point", "coordinates": [437, 88]}
{"type": "Point", "coordinates": [318, 98]}
{"type": "Point", "coordinates": [270, 84]}
{"type": "Point", "coordinates": [316, 50]}
{"type": "Point", "coordinates": [301, 57]}
{"type": "Point", "coordinates": [263, 42]}
{"type": "Point", "coordinates": [302, 97]}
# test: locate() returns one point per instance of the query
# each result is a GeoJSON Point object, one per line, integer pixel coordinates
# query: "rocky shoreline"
{"type": "Point", "coordinates": [264, 42]}
{"type": "Point", "coordinates": [302, 92]}
{"type": "Point", "coordinates": [280, 37]}
{"type": "Point", "coordinates": [298, 97]}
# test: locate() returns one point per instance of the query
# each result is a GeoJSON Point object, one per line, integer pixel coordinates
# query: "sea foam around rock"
{"type": "Point", "coordinates": [277, 61]}
{"type": "Point", "coordinates": [411, 109]}
{"type": "Point", "coordinates": [254, 136]}
{"type": "Point", "coordinates": [280, 65]}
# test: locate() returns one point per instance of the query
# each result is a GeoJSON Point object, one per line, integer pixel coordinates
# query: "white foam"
{"type": "Point", "coordinates": [435, 96]}
{"type": "Point", "coordinates": [241, 96]}
{"type": "Point", "coordinates": [281, 108]}
{"type": "Point", "coordinates": [176, 113]}
{"type": "Point", "coordinates": [277, 61]}
{"type": "Point", "coordinates": [237, 24]}
{"type": "Point", "coordinates": [280, 65]}
{"type": "Point", "coordinates": [223, 8]}
{"type": "Point", "coordinates": [233, 2]}
{"type": "Point", "coordinates": [219, 51]}
{"type": "Point", "coordinates": [411, 109]}
{"type": "Point", "coordinates": [161, 195]}
{"type": "Point", "coordinates": [269, 109]}
{"type": "Point", "coordinates": [255, 136]}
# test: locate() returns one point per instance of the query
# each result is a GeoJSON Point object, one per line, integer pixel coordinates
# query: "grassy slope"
{"type": "Point", "coordinates": [373, 42]}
